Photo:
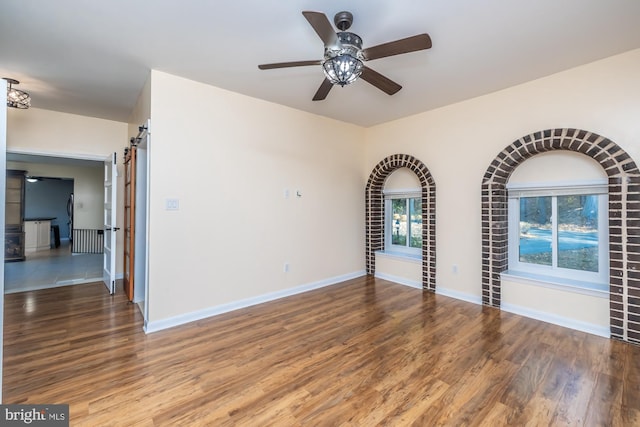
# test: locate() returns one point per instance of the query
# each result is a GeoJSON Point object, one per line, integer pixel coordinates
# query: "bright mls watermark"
{"type": "Point", "coordinates": [34, 415]}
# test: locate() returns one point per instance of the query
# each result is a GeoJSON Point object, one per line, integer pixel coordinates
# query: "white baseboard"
{"type": "Point", "coordinates": [117, 276]}
{"type": "Point", "coordinates": [590, 328]}
{"type": "Point", "coordinates": [398, 280]}
{"type": "Point", "coordinates": [159, 325]}
{"type": "Point", "coordinates": [533, 314]}
{"type": "Point", "coordinates": [475, 299]}
{"type": "Point", "coordinates": [170, 322]}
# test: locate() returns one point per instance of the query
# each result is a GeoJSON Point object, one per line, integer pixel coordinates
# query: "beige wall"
{"type": "Point", "coordinates": [37, 131]}
{"type": "Point", "coordinates": [558, 166]}
{"type": "Point", "coordinates": [458, 142]}
{"type": "Point", "coordinates": [403, 179]}
{"type": "Point", "coordinates": [229, 159]}
{"type": "Point", "coordinates": [49, 132]}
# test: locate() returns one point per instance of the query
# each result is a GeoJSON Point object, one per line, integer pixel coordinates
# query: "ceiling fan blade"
{"type": "Point", "coordinates": [288, 64]}
{"type": "Point", "coordinates": [410, 44]}
{"type": "Point", "coordinates": [321, 24]}
{"type": "Point", "coordinates": [323, 90]}
{"type": "Point", "coordinates": [378, 80]}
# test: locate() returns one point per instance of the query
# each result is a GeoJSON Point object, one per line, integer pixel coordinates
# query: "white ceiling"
{"type": "Point", "coordinates": [93, 57]}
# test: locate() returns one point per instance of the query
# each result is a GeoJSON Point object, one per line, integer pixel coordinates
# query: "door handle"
{"type": "Point", "coordinates": [112, 229]}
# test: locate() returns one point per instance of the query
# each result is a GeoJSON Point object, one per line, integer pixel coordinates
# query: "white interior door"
{"type": "Point", "coordinates": [110, 229]}
{"type": "Point", "coordinates": [3, 183]}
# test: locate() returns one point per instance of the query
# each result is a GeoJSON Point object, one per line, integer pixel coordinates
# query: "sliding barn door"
{"type": "Point", "coordinates": [129, 220]}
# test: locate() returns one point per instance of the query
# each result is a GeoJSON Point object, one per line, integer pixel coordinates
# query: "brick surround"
{"type": "Point", "coordinates": [624, 219]}
{"type": "Point", "coordinates": [374, 200]}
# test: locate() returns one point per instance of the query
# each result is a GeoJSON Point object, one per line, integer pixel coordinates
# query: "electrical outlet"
{"type": "Point", "coordinates": [172, 204]}
{"type": "Point", "coordinates": [285, 267]}
{"type": "Point", "coordinates": [454, 268]}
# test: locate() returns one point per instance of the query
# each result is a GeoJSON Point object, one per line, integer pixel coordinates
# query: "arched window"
{"type": "Point", "coordinates": [558, 220]}
{"type": "Point", "coordinates": [374, 201]}
{"type": "Point", "coordinates": [403, 213]}
{"type": "Point", "coordinates": [623, 179]}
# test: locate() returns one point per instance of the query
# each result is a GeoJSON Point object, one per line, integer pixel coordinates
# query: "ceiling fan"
{"type": "Point", "coordinates": [344, 56]}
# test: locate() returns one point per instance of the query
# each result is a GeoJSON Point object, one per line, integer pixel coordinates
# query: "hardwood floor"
{"type": "Point", "coordinates": [365, 352]}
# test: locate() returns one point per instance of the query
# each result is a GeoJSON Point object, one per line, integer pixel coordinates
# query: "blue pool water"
{"type": "Point", "coordinates": [539, 241]}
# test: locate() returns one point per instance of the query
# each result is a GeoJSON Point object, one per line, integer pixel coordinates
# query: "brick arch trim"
{"type": "Point", "coordinates": [624, 219]}
{"type": "Point", "coordinates": [374, 200]}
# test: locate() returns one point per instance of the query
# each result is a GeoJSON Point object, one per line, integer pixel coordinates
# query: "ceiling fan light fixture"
{"type": "Point", "coordinates": [344, 57]}
{"type": "Point", "coordinates": [17, 98]}
{"type": "Point", "coordinates": [342, 69]}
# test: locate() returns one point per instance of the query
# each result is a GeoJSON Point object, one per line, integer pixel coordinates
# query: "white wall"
{"type": "Point", "coordinates": [142, 110]}
{"type": "Point", "coordinates": [229, 159]}
{"type": "Point", "coordinates": [458, 142]}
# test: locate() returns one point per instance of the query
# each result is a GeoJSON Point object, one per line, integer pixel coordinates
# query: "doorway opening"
{"type": "Point", "coordinates": [61, 196]}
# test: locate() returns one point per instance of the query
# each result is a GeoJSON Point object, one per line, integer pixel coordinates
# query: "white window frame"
{"type": "Point", "coordinates": [388, 217]}
{"type": "Point", "coordinates": [597, 187]}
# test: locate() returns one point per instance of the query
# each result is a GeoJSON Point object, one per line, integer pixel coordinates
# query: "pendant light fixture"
{"type": "Point", "coordinates": [17, 98]}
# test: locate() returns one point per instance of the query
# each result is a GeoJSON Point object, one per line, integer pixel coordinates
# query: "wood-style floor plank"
{"type": "Point", "coordinates": [361, 353]}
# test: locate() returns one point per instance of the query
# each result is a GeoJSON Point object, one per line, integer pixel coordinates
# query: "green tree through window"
{"type": "Point", "coordinates": [405, 223]}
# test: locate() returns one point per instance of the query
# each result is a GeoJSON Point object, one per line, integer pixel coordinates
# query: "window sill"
{"type": "Point", "coordinates": [600, 290]}
{"type": "Point", "coordinates": [400, 256]}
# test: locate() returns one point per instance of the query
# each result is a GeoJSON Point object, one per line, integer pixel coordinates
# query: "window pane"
{"type": "Point", "coordinates": [399, 222]}
{"type": "Point", "coordinates": [535, 230]}
{"type": "Point", "coordinates": [415, 210]}
{"type": "Point", "coordinates": [578, 232]}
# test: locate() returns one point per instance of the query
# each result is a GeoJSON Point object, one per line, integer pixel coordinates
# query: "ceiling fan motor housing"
{"type": "Point", "coordinates": [343, 20]}
{"type": "Point", "coordinates": [351, 45]}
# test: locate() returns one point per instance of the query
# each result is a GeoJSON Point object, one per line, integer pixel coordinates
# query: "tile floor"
{"type": "Point", "coordinates": [50, 269]}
